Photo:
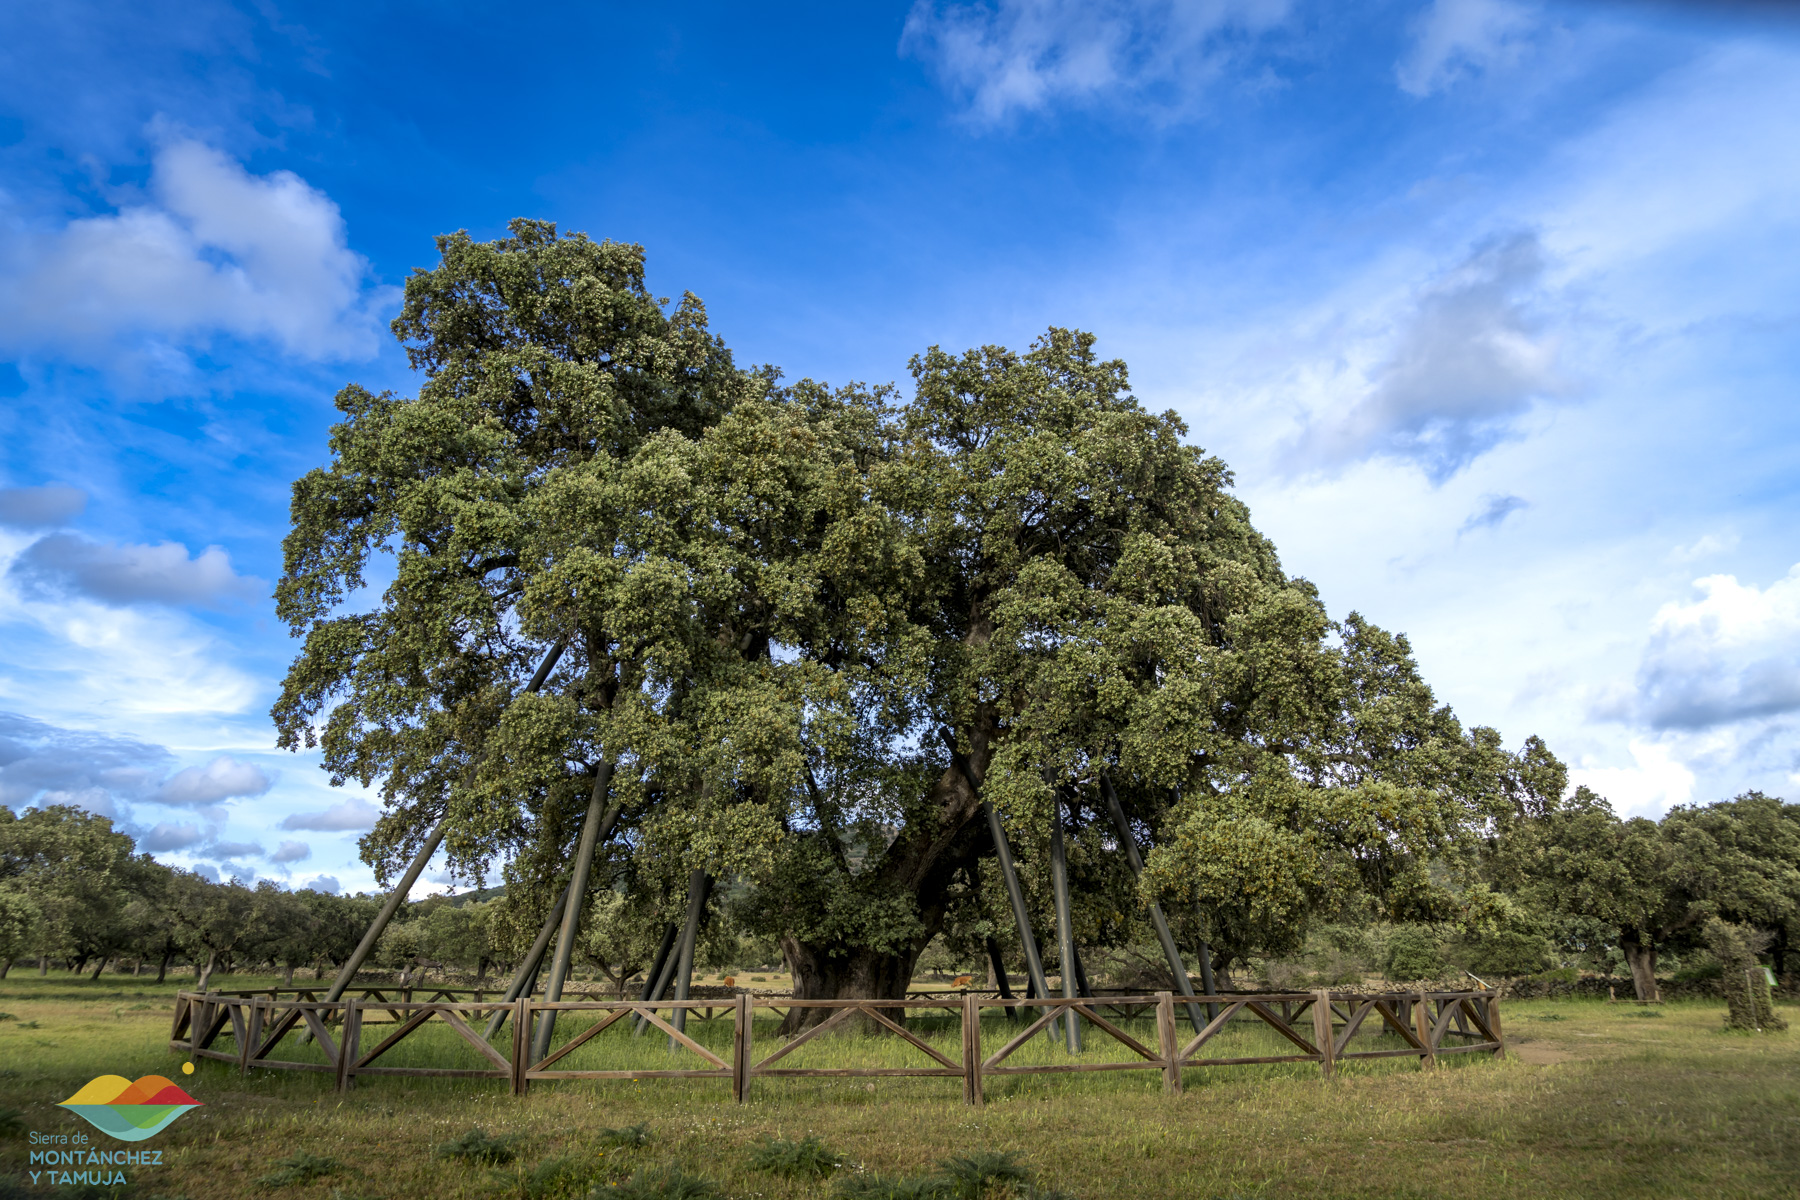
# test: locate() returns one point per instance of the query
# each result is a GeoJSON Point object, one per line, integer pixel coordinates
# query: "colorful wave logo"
{"type": "Point", "coordinates": [130, 1111]}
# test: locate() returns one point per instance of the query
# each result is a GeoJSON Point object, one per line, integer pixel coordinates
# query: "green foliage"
{"type": "Point", "coordinates": [663, 1183]}
{"type": "Point", "coordinates": [556, 1178]}
{"type": "Point", "coordinates": [477, 1146]}
{"type": "Point", "coordinates": [807, 1158]}
{"type": "Point", "coordinates": [971, 1175]}
{"type": "Point", "coordinates": [892, 1187]}
{"type": "Point", "coordinates": [1508, 952]}
{"type": "Point", "coordinates": [298, 1168]}
{"type": "Point", "coordinates": [631, 1137]}
{"type": "Point", "coordinates": [776, 603]}
{"type": "Point", "coordinates": [1414, 952]}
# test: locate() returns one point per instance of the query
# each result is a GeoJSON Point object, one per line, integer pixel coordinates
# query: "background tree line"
{"type": "Point", "coordinates": [1565, 886]}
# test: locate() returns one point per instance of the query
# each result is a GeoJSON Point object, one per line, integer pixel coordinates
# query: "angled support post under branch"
{"type": "Point", "coordinates": [357, 957]}
{"type": "Point", "coordinates": [1034, 966]}
{"type": "Point", "coordinates": [1157, 920]}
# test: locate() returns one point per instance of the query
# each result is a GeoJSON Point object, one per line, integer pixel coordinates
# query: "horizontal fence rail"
{"type": "Point", "coordinates": [1321, 1027]}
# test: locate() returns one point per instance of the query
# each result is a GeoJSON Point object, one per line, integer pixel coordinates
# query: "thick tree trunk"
{"type": "Point", "coordinates": [206, 971]}
{"type": "Point", "coordinates": [162, 969]}
{"type": "Point", "coordinates": [5, 967]}
{"type": "Point", "coordinates": [287, 977]}
{"type": "Point", "coordinates": [100, 968]}
{"type": "Point", "coordinates": [849, 974]}
{"type": "Point", "coordinates": [1641, 958]}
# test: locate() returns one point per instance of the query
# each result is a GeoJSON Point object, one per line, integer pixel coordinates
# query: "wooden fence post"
{"type": "Point", "coordinates": [253, 1037]}
{"type": "Point", "coordinates": [971, 1048]}
{"type": "Point", "coordinates": [1322, 1033]}
{"type": "Point", "coordinates": [741, 1049]}
{"type": "Point", "coordinates": [1167, 1043]}
{"type": "Point", "coordinates": [349, 1027]}
{"type": "Point", "coordinates": [198, 1015]}
{"type": "Point", "coordinates": [1493, 1022]}
{"type": "Point", "coordinates": [1422, 1026]}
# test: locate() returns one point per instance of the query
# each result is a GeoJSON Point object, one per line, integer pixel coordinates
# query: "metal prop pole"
{"type": "Point", "coordinates": [399, 894]}
{"type": "Point", "coordinates": [1034, 966]}
{"type": "Point", "coordinates": [699, 886]}
{"type": "Point", "coordinates": [593, 829]}
{"type": "Point", "coordinates": [999, 969]}
{"type": "Point", "coordinates": [1157, 920]}
{"type": "Point", "coordinates": [1065, 931]}
{"type": "Point", "coordinates": [526, 974]}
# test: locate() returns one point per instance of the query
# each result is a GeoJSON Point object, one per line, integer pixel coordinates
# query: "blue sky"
{"type": "Point", "coordinates": [1491, 305]}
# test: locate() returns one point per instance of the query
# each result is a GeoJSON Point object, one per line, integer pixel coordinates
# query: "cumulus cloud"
{"type": "Point", "coordinates": [1469, 359]}
{"type": "Point", "coordinates": [207, 872]}
{"type": "Point", "coordinates": [69, 564]}
{"type": "Point", "coordinates": [291, 852]}
{"type": "Point", "coordinates": [325, 883]}
{"type": "Point", "coordinates": [354, 813]}
{"type": "Point", "coordinates": [43, 764]}
{"type": "Point", "coordinates": [1024, 55]}
{"type": "Point", "coordinates": [214, 249]}
{"type": "Point", "coordinates": [166, 836]}
{"type": "Point", "coordinates": [235, 850]}
{"type": "Point", "coordinates": [1654, 781]}
{"type": "Point", "coordinates": [224, 778]}
{"type": "Point", "coordinates": [1493, 511]}
{"type": "Point", "coordinates": [40, 507]}
{"type": "Point", "coordinates": [1456, 38]}
{"type": "Point", "coordinates": [1730, 655]}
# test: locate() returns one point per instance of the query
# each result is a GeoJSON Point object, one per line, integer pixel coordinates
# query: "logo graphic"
{"type": "Point", "coordinates": [130, 1111]}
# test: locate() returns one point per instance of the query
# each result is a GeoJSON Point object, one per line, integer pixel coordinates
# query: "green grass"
{"type": "Point", "coordinates": [1592, 1101]}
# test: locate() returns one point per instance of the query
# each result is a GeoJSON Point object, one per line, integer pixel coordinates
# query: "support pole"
{"type": "Point", "coordinates": [1065, 930]}
{"type": "Point", "coordinates": [699, 887]}
{"type": "Point", "coordinates": [591, 835]}
{"type": "Point", "coordinates": [355, 961]}
{"type": "Point", "coordinates": [658, 986]}
{"type": "Point", "coordinates": [1157, 920]}
{"type": "Point", "coordinates": [654, 975]}
{"type": "Point", "coordinates": [1206, 978]}
{"type": "Point", "coordinates": [1034, 966]}
{"type": "Point", "coordinates": [999, 969]}
{"type": "Point", "coordinates": [1015, 892]}
{"type": "Point", "coordinates": [526, 975]}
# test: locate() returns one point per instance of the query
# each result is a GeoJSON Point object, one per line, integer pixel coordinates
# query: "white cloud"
{"type": "Point", "coordinates": [1469, 359]}
{"type": "Point", "coordinates": [291, 852]}
{"type": "Point", "coordinates": [325, 883]}
{"type": "Point", "coordinates": [354, 813]}
{"type": "Point", "coordinates": [224, 778]}
{"type": "Point", "coordinates": [167, 836]}
{"type": "Point", "coordinates": [130, 574]}
{"type": "Point", "coordinates": [214, 250]}
{"type": "Point", "coordinates": [40, 507]}
{"type": "Point", "coordinates": [1454, 38]}
{"type": "Point", "coordinates": [1654, 782]}
{"type": "Point", "coordinates": [1731, 655]}
{"type": "Point", "coordinates": [70, 658]}
{"type": "Point", "coordinates": [42, 764]}
{"type": "Point", "coordinates": [224, 850]}
{"type": "Point", "coordinates": [1024, 55]}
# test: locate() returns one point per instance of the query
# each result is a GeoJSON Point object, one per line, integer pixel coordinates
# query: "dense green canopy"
{"type": "Point", "coordinates": [779, 606]}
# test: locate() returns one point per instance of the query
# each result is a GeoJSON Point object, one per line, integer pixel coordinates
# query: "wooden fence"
{"type": "Point", "coordinates": [1315, 1027]}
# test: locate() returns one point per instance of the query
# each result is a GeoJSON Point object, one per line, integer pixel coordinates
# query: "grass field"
{"type": "Point", "coordinates": [1593, 1100]}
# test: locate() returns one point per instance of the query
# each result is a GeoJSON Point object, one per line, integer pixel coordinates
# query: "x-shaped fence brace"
{"type": "Point", "coordinates": [1424, 1022]}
